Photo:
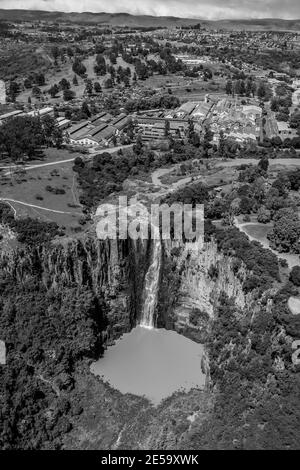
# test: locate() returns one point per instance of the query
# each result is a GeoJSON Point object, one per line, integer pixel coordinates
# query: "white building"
{"type": "Point", "coordinates": [2, 353]}
{"type": "Point", "coordinates": [296, 98]}
{"type": "Point", "coordinates": [284, 130]}
{"type": "Point", "coordinates": [2, 92]}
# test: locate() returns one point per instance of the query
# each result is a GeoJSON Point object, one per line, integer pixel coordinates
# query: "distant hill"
{"type": "Point", "coordinates": [125, 19]}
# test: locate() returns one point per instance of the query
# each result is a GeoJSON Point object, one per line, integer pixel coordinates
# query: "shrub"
{"type": "Point", "coordinates": [295, 276]}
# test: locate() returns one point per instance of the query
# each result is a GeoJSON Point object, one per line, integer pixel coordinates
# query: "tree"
{"type": "Point", "coordinates": [85, 109]}
{"type": "Point", "coordinates": [53, 91]}
{"type": "Point", "coordinates": [64, 84]}
{"type": "Point", "coordinates": [295, 276]}
{"type": "Point", "coordinates": [49, 125]}
{"type": "Point", "coordinates": [261, 90]}
{"type": "Point", "coordinates": [55, 52]}
{"type": "Point", "coordinates": [78, 67]}
{"type": "Point", "coordinates": [100, 67]}
{"type": "Point", "coordinates": [208, 135]}
{"type": "Point", "coordinates": [295, 120]}
{"type": "Point", "coordinates": [97, 87]}
{"type": "Point", "coordinates": [89, 87]}
{"type": "Point", "coordinates": [69, 95]}
{"type": "Point", "coordinates": [138, 146]}
{"type": "Point", "coordinates": [36, 91]}
{"type": "Point", "coordinates": [108, 83]}
{"type": "Point", "coordinates": [263, 215]}
{"type": "Point", "coordinates": [191, 130]}
{"type": "Point", "coordinates": [263, 163]}
{"type": "Point", "coordinates": [222, 144]}
{"type": "Point", "coordinates": [20, 136]}
{"type": "Point", "coordinates": [167, 128]}
{"type": "Point", "coordinates": [13, 90]}
{"type": "Point", "coordinates": [70, 52]}
{"type": "Point", "coordinates": [285, 234]}
{"type": "Point", "coordinates": [27, 83]}
{"type": "Point", "coordinates": [229, 87]}
{"type": "Point", "coordinates": [75, 80]}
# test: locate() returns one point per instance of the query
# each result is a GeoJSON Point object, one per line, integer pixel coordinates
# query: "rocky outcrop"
{"type": "Point", "coordinates": [113, 269]}
{"type": "Point", "coordinates": [192, 281]}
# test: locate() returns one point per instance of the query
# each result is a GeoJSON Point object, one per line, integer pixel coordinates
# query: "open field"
{"type": "Point", "coordinates": [30, 188]}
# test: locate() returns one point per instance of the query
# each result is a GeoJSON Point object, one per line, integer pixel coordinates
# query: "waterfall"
{"type": "Point", "coordinates": [151, 285]}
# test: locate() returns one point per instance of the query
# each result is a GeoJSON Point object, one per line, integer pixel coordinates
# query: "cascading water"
{"type": "Point", "coordinates": [151, 284]}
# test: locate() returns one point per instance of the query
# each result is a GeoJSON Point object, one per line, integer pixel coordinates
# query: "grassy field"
{"type": "Point", "coordinates": [34, 187]}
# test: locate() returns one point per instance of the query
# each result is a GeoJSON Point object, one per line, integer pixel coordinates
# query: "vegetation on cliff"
{"type": "Point", "coordinates": [29, 231]}
{"type": "Point", "coordinates": [256, 384]}
{"type": "Point", "coordinates": [48, 333]}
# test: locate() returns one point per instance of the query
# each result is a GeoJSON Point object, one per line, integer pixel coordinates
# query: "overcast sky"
{"type": "Point", "coordinates": [212, 9]}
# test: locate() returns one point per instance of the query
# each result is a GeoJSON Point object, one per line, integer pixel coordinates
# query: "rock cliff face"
{"type": "Point", "coordinates": [192, 281]}
{"type": "Point", "coordinates": [113, 269]}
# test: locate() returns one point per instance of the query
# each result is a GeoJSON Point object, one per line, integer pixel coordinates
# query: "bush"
{"type": "Point", "coordinates": [263, 215]}
{"type": "Point", "coordinates": [295, 276]}
{"type": "Point", "coordinates": [53, 190]}
{"type": "Point", "coordinates": [34, 232]}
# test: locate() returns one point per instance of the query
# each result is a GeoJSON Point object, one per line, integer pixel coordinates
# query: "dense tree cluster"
{"type": "Point", "coordinates": [24, 136]}
{"type": "Point", "coordinates": [155, 101]}
{"type": "Point", "coordinates": [29, 231]}
{"type": "Point", "coordinates": [256, 384]}
{"type": "Point", "coordinates": [48, 333]}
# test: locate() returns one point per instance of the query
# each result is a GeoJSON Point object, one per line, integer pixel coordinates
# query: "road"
{"type": "Point", "coordinates": [59, 162]}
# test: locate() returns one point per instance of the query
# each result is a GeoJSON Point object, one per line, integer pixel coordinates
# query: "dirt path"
{"type": "Point", "coordinates": [8, 200]}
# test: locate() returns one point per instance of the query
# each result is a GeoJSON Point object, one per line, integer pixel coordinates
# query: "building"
{"type": "Point", "coordinates": [100, 135]}
{"type": "Point", "coordinates": [120, 122]}
{"type": "Point", "coordinates": [285, 132]}
{"type": "Point", "coordinates": [101, 117]}
{"type": "Point", "coordinates": [153, 128]}
{"type": "Point", "coordinates": [186, 109]}
{"type": "Point", "coordinates": [99, 130]}
{"type": "Point", "coordinates": [49, 111]}
{"type": "Point", "coordinates": [63, 123]}
{"type": "Point", "coordinates": [12, 114]}
{"type": "Point", "coordinates": [2, 353]}
{"type": "Point", "coordinates": [2, 92]}
{"type": "Point", "coordinates": [296, 98]}
{"type": "Point", "coordinates": [296, 83]}
{"type": "Point", "coordinates": [79, 130]}
{"type": "Point", "coordinates": [201, 111]}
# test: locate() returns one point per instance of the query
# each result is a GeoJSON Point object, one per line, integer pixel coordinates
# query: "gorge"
{"type": "Point", "coordinates": [149, 361]}
{"type": "Point", "coordinates": [68, 303]}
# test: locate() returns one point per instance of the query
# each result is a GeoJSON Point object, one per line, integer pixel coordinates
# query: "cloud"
{"type": "Point", "coordinates": [211, 9]}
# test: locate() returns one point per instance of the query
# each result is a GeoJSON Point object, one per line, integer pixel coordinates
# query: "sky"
{"type": "Point", "coordinates": [209, 9]}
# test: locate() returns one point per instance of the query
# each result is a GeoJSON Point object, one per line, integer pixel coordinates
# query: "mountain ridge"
{"type": "Point", "coordinates": [127, 19]}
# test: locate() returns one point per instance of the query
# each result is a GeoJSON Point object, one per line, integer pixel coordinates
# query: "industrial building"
{"type": "Point", "coordinates": [154, 128]}
{"type": "Point", "coordinates": [98, 130]}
